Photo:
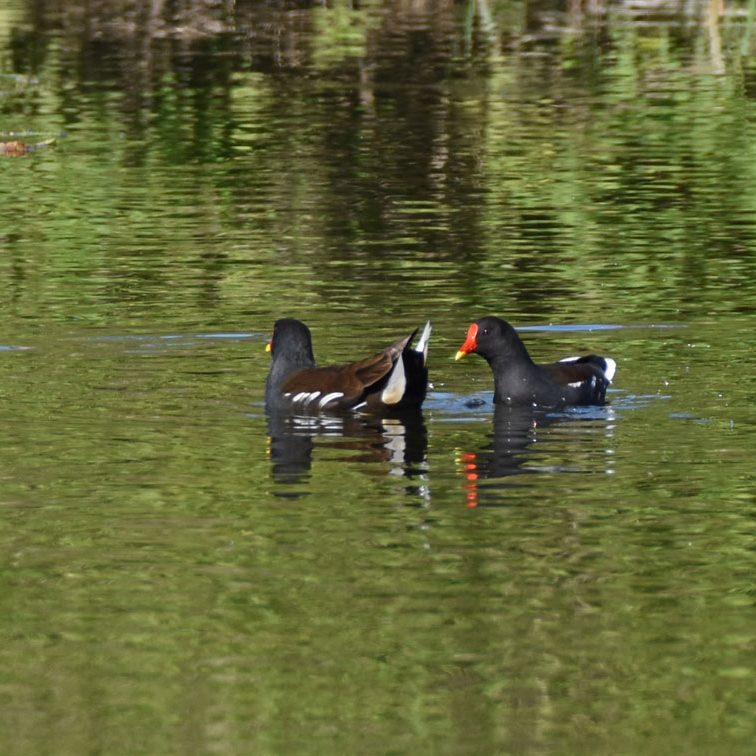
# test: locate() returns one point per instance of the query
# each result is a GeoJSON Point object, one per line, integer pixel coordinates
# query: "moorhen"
{"type": "Point", "coordinates": [518, 380]}
{"type": "Point", "coordinates": [392, 380]}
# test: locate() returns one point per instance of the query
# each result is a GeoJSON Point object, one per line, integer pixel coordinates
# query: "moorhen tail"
{"type": "Point", "coordinates": [393, 380]}
{"type": "Point", "coordinates": [518, 380]}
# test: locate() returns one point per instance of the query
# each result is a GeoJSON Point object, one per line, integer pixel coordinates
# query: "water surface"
{"type": "Point", "coordinates": [181, 572]}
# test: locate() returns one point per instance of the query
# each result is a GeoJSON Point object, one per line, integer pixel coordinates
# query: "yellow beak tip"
{"type": "Point", "coordinates": [268, 347]}
{"type": "Point", "coordinates": [459, 355]}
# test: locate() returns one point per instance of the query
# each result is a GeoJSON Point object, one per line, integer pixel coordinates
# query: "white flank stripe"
{"type": "Point", "coordinates": [329, 398]}
{"type": "Point", "coordinates": [298, 397]}
{"type": "Point", "coordinates": [569, 359]}
{"type": "Point", "coordinates": [576, 384]}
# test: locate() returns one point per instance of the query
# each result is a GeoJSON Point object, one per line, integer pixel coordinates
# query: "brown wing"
{"type": "Point", "coordinates": [370, 370]}
{"type": "Point", "coordinates": [351, 380]}
{"type": "Point", "coordinates": [566, 373]}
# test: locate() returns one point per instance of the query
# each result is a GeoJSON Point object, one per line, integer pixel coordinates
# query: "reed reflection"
{"type": "Point", "coordinates": [399, 443]}
{"type": "Point", "coordinates": [526, 441]}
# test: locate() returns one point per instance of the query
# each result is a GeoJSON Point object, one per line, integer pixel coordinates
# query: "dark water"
{"type": "Point", "coordinates": [180, 573]}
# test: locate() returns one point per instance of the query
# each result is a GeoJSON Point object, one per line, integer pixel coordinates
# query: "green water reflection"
{"type": "Point", "coordinates": [181, 574]}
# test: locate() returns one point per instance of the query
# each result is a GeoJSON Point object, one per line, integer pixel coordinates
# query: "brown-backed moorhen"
{"type": "Point", "coordinates": [392, 380]}
{"type": "Point", "coordinates": [518, 380]}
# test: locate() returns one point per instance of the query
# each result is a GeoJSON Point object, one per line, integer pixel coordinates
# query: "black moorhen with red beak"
{"type": "Point", "coordinates": [393, 380]}
{"type": "Point", "coordinates": [518, 380]}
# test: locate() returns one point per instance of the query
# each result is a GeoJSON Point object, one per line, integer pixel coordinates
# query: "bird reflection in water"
{"type": "Point", "coordinates": [523, 438]}
{"type": "Point", "coordinates": [399, 442]}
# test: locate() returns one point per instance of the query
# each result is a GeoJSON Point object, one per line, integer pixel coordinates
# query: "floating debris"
{"type": "Point", "coordinates": [17, 149]}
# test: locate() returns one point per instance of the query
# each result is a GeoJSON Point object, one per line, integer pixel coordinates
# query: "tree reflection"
{"type": "Point", "coordinates": [482, 135]}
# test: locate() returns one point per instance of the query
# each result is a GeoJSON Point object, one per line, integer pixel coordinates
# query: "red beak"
{"type": "Point", "coordinates": [470, 344]}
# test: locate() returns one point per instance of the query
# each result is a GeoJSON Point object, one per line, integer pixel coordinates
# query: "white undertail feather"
{"type": "Point", "coordinates": [422, 344]}
{"type": "Point", "coordinates": [610, 369]}
{"type": "Point", "coordinates": [397, 382]}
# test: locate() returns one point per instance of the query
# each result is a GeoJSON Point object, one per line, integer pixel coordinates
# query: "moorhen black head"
{"type": "Point", "coordinates": [392, 380]}
{"type": "Point", "coordinates": [518, 380]}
